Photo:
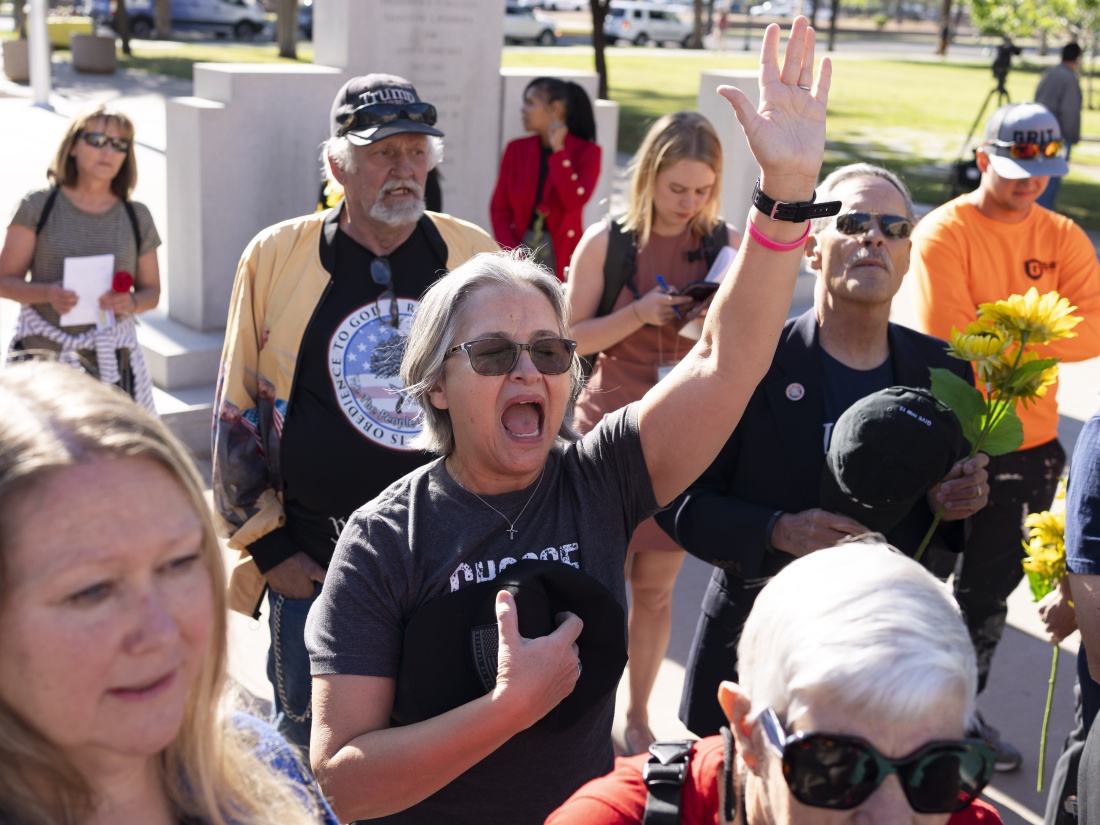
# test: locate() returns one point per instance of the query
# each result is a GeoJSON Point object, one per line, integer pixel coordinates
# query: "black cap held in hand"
{"type": "Point", "coordinates": [886, 452]}
{"type": "Point", "coordinates": [450, 644]}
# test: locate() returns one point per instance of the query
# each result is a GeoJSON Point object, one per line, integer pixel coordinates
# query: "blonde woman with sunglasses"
{"type": "Point", "coordinates": [86, 220]}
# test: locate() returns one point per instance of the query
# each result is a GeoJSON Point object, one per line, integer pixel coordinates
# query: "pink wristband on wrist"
{"type": "Point", "coordinates": [775, 246]}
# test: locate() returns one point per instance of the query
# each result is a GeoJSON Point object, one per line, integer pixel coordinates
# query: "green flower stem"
{"type": "Point", "coordinates": [997, 406]}
{"type": "Point", "coordinates": [1046, 718]}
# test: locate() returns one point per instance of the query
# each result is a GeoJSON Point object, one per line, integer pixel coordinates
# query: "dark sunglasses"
{"type": "Point", "coordinates": [825, 770]}
{"type": "Point", "coordinates": [379, 114]}
{"type": "Point", "coordinates": [499, 356]}
{"type": "Point", "coordinates": [1028, 151]}
{"type": "Point", "coordinates": [856, 223]}
{"type": "Point", "coordinates": [98, 140]}
{"type": "Point", "coordinates": [382, 275]}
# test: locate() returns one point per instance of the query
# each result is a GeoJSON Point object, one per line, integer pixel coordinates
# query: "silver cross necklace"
{"type": "Point", "coordinates": [511, 523]}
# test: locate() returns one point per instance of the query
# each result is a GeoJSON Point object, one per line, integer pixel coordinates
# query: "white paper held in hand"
{"type": "Point", "coordinates": [89, 277]}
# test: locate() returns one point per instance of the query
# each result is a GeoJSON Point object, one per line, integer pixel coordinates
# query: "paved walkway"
{"type": "Point", "coordinates": [1017, 690]}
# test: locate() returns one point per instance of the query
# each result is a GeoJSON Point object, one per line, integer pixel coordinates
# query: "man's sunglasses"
{"type": "Point", "coordinates": [382, 275]}
{"type": "Point", "coordinates": [825, 770]}
{"type": "Point", "coordinates": [856, 223]}
{"type": "Point", "coordinates": [1028, 151]}
{"type": "Point", "coordinates": [379, 114]}
{"type": "Point", "coordinates": [499, 356]}
{"type": "Point", "coordinates": [98, 140]}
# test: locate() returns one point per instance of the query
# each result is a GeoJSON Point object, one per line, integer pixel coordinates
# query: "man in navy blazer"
{"type": "Point", "coordinates": [756, 508]}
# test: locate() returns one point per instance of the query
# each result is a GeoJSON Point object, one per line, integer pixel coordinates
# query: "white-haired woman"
{"type": "Point", "coordinates": [112, 612]}
{"type": "Point", "coordinates": [857, 684]}
{"type": "Point", "coordinates": [490, 367]}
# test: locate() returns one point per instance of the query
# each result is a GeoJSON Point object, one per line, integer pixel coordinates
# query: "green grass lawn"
{"type": "Point", "coordinates": [910, 116]}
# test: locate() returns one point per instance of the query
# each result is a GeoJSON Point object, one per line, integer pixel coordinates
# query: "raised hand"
{"type": "Point", "coordinates": [786, 133]}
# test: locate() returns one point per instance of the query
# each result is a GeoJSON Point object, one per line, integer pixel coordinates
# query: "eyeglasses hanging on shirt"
{"type": "Point", "coordinates": [382, 275]}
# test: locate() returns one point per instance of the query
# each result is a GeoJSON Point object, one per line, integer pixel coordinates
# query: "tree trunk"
{"type": "Point", "coordinates": [1044, 47]}
{"type": "Point", "coordinates": [832, 25]}
{"type": "Point", "coordinates": [122, 20]}
{"type": "Point", "coordinates": [710, 16]}
{"type": "Point", "coordinates": [287, 28]}
{"type": "Point", "coordinates": [600, 9]}
{"type": "Point", "coordinates": [19, 18]}
{"type": "Point", "coordinates": [697, 30]}
{"type": "Point", "coordinates": [945, 28]}
{"type": "Point", "coordinates": [162, 19]}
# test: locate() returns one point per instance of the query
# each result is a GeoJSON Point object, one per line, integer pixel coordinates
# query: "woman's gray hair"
{"type": "Point", "coordinates": [862, 628]}
{"type": "Point", "coordinates": [860, 170]}
{"type": "Point", "coordinates": [342, 152]}
{"type": "Point", "coordinates": [439, 319]}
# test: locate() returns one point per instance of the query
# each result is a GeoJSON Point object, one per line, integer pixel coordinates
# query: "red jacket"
{"type": "Point", "coordinates": [569, 184]}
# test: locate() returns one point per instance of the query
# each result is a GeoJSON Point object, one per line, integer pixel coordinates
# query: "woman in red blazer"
{"type": "Point", "coordinates": [546, 179]}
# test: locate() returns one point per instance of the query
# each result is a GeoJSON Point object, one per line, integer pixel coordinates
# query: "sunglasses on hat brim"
{"type": "Point", "coordinates": [825, 770]}
{"type": "Point", "coordinates": [1028, 151]}
{"type": "Point", "coordinates": [373, 115]}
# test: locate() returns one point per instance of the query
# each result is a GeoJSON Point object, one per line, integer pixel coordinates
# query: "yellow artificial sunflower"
{"type": "Point", "coordinates": [1033, 318]}
{"type": "Point", "coordinates": [1049, 528]}
{"type": "Point", "coordinates": [981, 343]}
{"type": "Point", "coordinates": [1002, 375]}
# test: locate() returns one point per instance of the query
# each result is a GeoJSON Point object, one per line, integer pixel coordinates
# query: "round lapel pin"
{"type": "Point", "coordinates": [795, 391]}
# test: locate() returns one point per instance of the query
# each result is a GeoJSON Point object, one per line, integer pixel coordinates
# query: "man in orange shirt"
{"type": "Point", "coordinates": [985, 246]}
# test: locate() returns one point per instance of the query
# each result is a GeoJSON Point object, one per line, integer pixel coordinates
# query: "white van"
{"type": "Point", "coordinates": [644, 23]}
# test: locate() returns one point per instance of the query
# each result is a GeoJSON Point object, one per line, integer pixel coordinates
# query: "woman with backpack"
{"type": "Point", "coordinates": [625, 312]}
{"type": "Point", "coordinates": [86, 213]}
{"type": "Point", "coordinates": [546, 179]}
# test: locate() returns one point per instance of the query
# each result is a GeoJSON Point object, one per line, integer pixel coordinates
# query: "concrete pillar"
{"type": "Point", "coordinates": [739, 169]}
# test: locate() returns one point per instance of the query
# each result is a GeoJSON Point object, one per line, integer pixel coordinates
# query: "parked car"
{"type": "Point", "coordinates": [523, 25]}
{"type": "Point", "coordinates": [244, 19]}
{"type": "Point", "coordinates": [643, 23]}
{"type": "Point", "coordinates": [565, 5]}
{"type": "Point", "coordinates": [773, 8]}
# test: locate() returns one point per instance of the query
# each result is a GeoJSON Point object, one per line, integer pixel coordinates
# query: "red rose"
{"type": "Point", "coordinates": [122, 282]}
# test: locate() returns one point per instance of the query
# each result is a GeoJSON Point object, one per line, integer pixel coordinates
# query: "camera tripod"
{"type": "Point", "coordinates": [964, 175]}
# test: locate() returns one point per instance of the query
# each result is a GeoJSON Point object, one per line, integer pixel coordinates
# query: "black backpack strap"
{"type": "Point", "coordinates": [713, 243]}
{"type": "Point", "coordinates": [51, 199]}
{"type": "Point", "coordinates": [618, 266]}
{"type": "Point", "coordinates": [664, 776]}
{"type": "Point", "coordinates": [131, 213]}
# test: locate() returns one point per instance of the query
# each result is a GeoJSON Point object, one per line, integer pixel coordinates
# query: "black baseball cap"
{"type": "Point", "coordinates": [376, 106]}
{"type": "Point", "coordinates": [449, 656]}
{"type": "Point", "coordinates": [886, 452]}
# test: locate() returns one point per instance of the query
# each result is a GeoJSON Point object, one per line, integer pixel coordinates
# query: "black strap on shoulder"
{"type": "Point", "coordinates": [435, 238]}
{"type": "Point", "coordinates": [51, 199]}
{"type": "Point", "coordinates": [618, 265]}
{"type": "Point", "coordinates": [713, 243]}
{"type": "Point", "coordinates": [131, 213]}
{"type": "Point", "coordinates": [664, 776]}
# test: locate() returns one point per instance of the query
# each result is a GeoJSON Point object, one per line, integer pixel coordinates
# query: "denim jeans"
{"type": "Point", "coordinates": [288, 667]}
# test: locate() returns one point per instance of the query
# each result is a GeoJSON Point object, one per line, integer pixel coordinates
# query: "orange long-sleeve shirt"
{"type": "Point", "coordinates": [961, 259]}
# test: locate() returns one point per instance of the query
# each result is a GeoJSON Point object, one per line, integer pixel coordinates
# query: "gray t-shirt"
{"type": "Point", "coordinates": [70, 232]}
{"type": "Point", "coordinates": [425, 536]}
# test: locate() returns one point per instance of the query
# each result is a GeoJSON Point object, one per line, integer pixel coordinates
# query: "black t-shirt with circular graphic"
{"type": "Point", "coordinates": [347, 429]}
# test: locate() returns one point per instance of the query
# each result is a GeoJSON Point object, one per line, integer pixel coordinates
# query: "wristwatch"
{"type": "Point", "coordinates": [793, 212]}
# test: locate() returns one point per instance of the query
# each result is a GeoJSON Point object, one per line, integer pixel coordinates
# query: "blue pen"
{"type": "Point", "coordinates": [663, 284]}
